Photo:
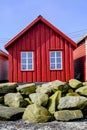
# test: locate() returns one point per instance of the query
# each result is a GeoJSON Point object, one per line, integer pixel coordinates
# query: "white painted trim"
{"type": "Point", "coordinates": [27, 61]}
{"type": "Point", "coordinates": [56, 61]}
{"type": "Point", "coordinates": [86, 56]}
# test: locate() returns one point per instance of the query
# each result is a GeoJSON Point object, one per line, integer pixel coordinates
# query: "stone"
{"type": "Point", "coordinates": [14, 100]}
{"type": "Point", "coordinates": [53, 102]}
{"type": "Point", "coordinates": [39, 98]}
{"type": "Point", "coordinates": [45, 88]}
{"type": "Point", "coordinates": [53, 86]}
{"type": "Point", "coordinates": [72, 94]}
{"type": "Point", "coordinates": [1, 99]}
{"type": "Point", "coordinates": [37, 114]}
{"type": "Point", "coordinates": [84, 83]}
{"type": "Point", "coordinates": [8, 87]}
{"type": "Point", "coordinates": [72, 102]}
{"type": "Point", "coordinates": [11, 113]}
{"type": "Point", "coordinates": [59, 85]}
{"type": "Point", "coordinates": [66, 115]}
{"type": "Point", "coordinates": [82, 90]}
{"type": "Point", "coordinates": [75, 83]}
{"type": "Point", "coordinates": [26, 89]}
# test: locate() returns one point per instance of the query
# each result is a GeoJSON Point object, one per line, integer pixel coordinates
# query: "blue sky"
{"type": "Point", "coordinates": [70, 16]}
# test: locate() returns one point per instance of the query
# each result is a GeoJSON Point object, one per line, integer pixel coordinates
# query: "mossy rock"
{"type": "Point", "coordinates": [8, 87]}
{"type": "Point", "coordinates": [1, 99]}
{"type": "Point", "coordinates": [67, 115]}
{"type": "Point", "coordinates": [14, 100]}
{"type": "Point", "coordinates": [53, 102]}
{"type": "Point", "coordinates": [82, 90]}
{"type": "Point", "coordinates": [72, 94]}
{"type": "Point", "coordinates": [36, 114]}
{"type": "Point", "coordinates": [10, 113]}
{"type": "Point", "coordinates": [45, 89]}
{"type": "Point", "coordinates": [84, 83]}
{"type": "Point", "coordinates": [59, 85]}
{"type": "Point", "coordinates": [70, 91]}
{"type": "Point", "coordinates": [72, 102]}
{"type": "Point", "coordinates": [26, 89]}
{"type": "Point", "coordinates": [75, 83]}
{"type": "Point", "coordinates": [39, 98]}
{"type": "Point", "coordinates": [28, 100]}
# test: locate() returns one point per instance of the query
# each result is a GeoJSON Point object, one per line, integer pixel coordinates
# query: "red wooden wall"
{"type": "Point", "coordinates": [3, 68]}
{"type": "Point", "coordinates": [80, 61]}
{"type": "Point", "coordinates": [41, 39]}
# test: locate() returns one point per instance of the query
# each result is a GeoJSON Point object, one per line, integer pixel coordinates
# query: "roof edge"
{"type": "Point", "coordinates": [3, 54]}
{"type": "Point", "coordinates": [48, 24]}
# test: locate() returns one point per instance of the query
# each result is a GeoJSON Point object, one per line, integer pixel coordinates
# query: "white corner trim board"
{"type": "Point", "coordinates": [86, 56]}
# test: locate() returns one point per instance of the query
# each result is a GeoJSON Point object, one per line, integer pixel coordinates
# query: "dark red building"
{"type": "Point", "coordinates": [3, 66]}
{"type": "Point", "coordinates": [40, 53]}
{"type": "Point", "coordinates": [80, 59]}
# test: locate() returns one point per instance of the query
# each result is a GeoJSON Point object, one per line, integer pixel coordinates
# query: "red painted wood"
{"type": "Point", "coordinates": [41, 39]}
{"type": "Point", "coordinates": [10, 65]}
{"type": "Point", "coordinates": [67, 61]}
{"type": "Point", "coordinates": [47, 54]}
{"type": "Point", "coordinates": [53, 47]}
{"type": "Point", "coordinates": [19, 62]}
{"type": "Point", "coordinates": [43, 53]}
{"type": "Point", "coordinates": [80, 60]}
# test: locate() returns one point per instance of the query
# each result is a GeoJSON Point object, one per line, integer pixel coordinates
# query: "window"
{"type": "Point", "coordinates": [27, 61]}
{"type": "Point", "coordinates": [55, 60]}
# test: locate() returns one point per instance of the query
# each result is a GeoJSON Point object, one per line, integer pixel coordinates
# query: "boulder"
{"type": "Point", "coordinates": [53, 102]}
{"type": "Point", "coordinates": [11, 113]}
{"type": "Point", "coordinates": [66, 115]}
{"type": "Point", "coordinates": [14, 100]}
{"type": "Point", "coordinates": [59, 85]}
{"type": "Point", "coordinates": [36, 113]}
{"type": "Point", "coordinates": [1, 99]}
{"type": "Point", "coordinates": [8, 87]}
{"type": "Point", "coordinates": [84, 83]}
{"type": "Point", "coordinates": [72, 102]}
{"type": "Point", "coordinates": [45, 88]}
{"type": "Point", "coordinates": [82, 90]}
{"type": "Point", "coordinates": [75, 83]}
{"type": "Point", "coordinates": [26, 89]}
{"type": "Point", "coordinates": [39, 98]}
{"type": "Point", "coordinates": [72, 94]}
{"type": "Point", "coordinates": [53, 86]}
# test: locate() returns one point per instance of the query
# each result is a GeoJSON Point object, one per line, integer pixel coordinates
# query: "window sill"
{"type": "Point", "coordinates": [27, 70]}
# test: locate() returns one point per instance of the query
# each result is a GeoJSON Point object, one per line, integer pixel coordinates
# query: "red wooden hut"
{"type": "Point", "coordinates": [80, 59]}
{"type": "Point", "coordinates": [3, 66]}
{"type": "Point", "coordinates": [40, 53]}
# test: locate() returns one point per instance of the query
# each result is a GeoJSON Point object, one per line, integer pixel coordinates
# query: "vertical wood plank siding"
{"type": "Point", "coordinates": [41, 40]}
{"type": "Point", "coordinates": [80, 61]}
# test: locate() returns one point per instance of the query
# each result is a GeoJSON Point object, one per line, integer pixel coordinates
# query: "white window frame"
{"type": "Point", "coordinates": [56, 63]}
{"type": "Point", "coordinates": [26, 64]}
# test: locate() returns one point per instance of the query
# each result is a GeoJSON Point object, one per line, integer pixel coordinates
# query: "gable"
{"type": "Point", "coordinates": [3, 54]}
{"type": "Point", "coordinates": [38, 19]}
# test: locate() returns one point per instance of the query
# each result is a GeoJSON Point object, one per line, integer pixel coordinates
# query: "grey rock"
{"type": "Point", "coordinates": [72, 102]}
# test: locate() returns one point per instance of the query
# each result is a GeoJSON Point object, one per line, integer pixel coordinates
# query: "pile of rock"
{"type": "Point", "coordinates": [55, 100]}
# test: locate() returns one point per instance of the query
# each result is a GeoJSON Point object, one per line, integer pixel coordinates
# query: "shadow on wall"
{"type": "Point", "coordinates": [79, 68]}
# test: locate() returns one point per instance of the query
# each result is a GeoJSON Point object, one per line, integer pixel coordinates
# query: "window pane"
{"type": "Point", "coordinates": [23, 55]}
{"type": "Point", "coordinates": [29, 54]}
{"type": "Point", "coordinates": [52, 66]}
{"type": "Point", "coordinates": [58, 60]}
{"type": "Point", "coordinates": [52, 54]}
{"type": "Point", "coordinates": [30, 67]}
{"type": "Point", "coordinates": [58, 54]}
{"type": "Point", "coordinates": [29, 61]}
{"type": "Point", "coordinates": [52, 60]}
{"type": "Point", "coordinates": [23, 67]}
{"type": "Point", "coordinates": [58, 66]}
{"type": "Point", "coordinates": [24, 61]}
